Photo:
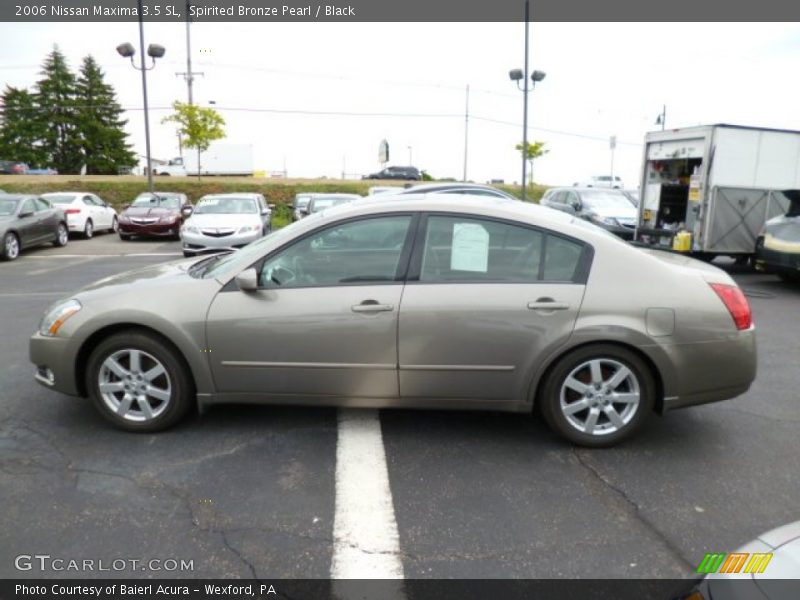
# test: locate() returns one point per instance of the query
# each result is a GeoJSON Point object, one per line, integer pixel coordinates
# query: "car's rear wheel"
{"type": "Point", "coordinates": [88, 229]}
{"type": "Point", "coordinates": [138, 382]}
{"type": "Point", "coordinates": [62, 235]}
{"type": "Point", "coordinates": [598, 395]}
{"type": "Point", "coordinates": [10, 246]}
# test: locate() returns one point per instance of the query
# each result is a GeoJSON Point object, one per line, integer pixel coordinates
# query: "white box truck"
{"type": "Point", "coordinates": [708, 190]}
{"type": "Point", "coordinates": [219, 159]}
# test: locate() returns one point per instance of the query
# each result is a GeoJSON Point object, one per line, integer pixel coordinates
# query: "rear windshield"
{"type": "Point", "coordinates": [60, 199]}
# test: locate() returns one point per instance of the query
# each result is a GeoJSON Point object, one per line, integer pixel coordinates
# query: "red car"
{"type": "Point", "coordinates": [159, 214]}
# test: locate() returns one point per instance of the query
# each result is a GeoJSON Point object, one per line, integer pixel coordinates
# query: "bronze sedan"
{"type": "Point", "coordinates": [419, 302]}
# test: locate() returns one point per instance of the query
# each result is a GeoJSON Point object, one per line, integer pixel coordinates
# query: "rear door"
{"type": "Point", "coordinates": [29, 228]}
{"type": "Point", "coordinates": [484, 299]}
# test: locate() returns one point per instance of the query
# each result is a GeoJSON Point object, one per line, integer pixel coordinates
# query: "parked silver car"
{"type": "Point", "coordinates": [423, 302]}
{"type": "Point", "coordinates": [225, 222]}
{"type": "Point", "coordinates": [610, 209]}
{"type": "Point", "coordinates": [27, 221]}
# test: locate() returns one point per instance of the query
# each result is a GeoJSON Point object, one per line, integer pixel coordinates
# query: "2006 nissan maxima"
{"type": "Point", "coordinates": [423, 302]}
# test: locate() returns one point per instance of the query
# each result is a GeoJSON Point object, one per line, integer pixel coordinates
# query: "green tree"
{"type": "Point", "coordinates": [21, 132]}
{"type": "Point", "coordinates": [532, 152]}
{"type": "Point", "coordinates": [101, 129]}
{"type": "Point", "coordinates": [197, 125]}
{"type": "Point", "coordinates": [55, 96]}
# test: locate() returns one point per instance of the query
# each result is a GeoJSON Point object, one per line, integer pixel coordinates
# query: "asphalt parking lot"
{"type": "Point", "coordinates": [250, 491]}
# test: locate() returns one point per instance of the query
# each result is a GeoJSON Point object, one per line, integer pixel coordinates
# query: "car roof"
{"type": "Point", "coordinates": [478, 206]}
{"type": "Point", "coordinates": [4, 196]}
{"type": "Point", "coordinates": [430, 187]}
{"type": "Point", "coordinates": [68, 194]}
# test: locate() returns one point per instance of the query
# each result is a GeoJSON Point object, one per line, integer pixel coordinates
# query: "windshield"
{"type": "Point", "coordinates": [239, 259]}
{"type": "Point", "coordinates": [323, 203]}
{"type": "Point", "coordinates": [606, 201]}
{"type": "Point", "coordinates": [302, 202]}
{"type": "Point", "coordinates": [228, 206]}
{"type": "Point", "coordinates": [157, 201]}
{"type": "Point", "coordinates": [59, 199]}
{"type": "Point", "coordinates": [7, 206]}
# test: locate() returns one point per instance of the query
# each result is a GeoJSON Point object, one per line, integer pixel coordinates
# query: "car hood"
{"type": "Point", "coordinates": [139, 281]}
{"type": "Point", "coordinates": [149, 211]}
{"type": "Point", "coordinates": [222, 221]}
{"type": "Point", "coordinates": [782, 234]}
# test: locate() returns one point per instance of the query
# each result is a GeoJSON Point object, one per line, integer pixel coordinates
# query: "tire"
{"type": "Point", "coordinates": [157, 405]}
{"type": "Point", "coordinates": [114, 225]}
{"type": "Point", "coordinates": [62, 235]}
{"type": "Point", "coordinates": [124, 237]}
{"type": "Point", "coordinates": [636, 392]}
{"type": "Point", "coordinates": [11, 247]}
{"type": "Point", "coordinates": [88, 229]}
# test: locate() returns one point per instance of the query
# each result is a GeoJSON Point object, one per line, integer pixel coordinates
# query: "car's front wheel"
{"type": "Point", "coordinates": [114, 225]}
{"type": "Point", "coordinates": [139, 382]}
{"type": "Point", "coordinates": [598, 395]}
{"type": "Point", "coordinates": [10, 246]}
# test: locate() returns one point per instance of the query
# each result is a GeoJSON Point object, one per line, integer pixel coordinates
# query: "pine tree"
{"type": "Point", "coordinates": [102, 135]}
{"type": "Point", "coordinates": [21, 132]}
{"type": "Point", "coordinates": [55, 97]}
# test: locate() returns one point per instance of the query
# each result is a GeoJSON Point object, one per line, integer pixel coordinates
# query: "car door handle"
{"type": "Point", "coordinates": [547, 304]}
{"type": "Point", "coordinates": [370, 306]}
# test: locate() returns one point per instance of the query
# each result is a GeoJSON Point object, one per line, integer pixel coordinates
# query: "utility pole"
{"type": "Point", "coordinates": [525, 106]}
{"type": "Point", "coordinates": [189, 74]}
{"type": "Point", "coordinates": [466, 134]}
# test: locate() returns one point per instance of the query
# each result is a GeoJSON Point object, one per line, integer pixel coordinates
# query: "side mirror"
{"type": "Point", "coordinates": [187, 210]}
{"type": "Point", "coordinates": [125, 206]}
{"type": "Point", "coordinates": [271, 205]}
{"type": "Point", "coordinates": [265, 211]}
{"type": "Point", "coordinates": [25, 214]}
{"type": "Point", "coordinates": [304, 212]}
{"type": "Point", "coordinates": [247, 280]}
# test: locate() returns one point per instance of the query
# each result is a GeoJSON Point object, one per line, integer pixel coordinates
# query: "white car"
{"type": "Point", "coordinates": [222, 222]}
{"type": "Point", "coordinates": [86, 213]}
{"type": "Point", "coordinates": [605, 181]}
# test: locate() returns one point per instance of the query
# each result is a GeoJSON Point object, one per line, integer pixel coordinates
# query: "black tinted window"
{"type": "Point", "coordinates": [359, 251]}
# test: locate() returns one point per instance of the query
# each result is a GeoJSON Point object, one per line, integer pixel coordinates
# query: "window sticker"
{"type": "Point", "coordinates": [470, 248]}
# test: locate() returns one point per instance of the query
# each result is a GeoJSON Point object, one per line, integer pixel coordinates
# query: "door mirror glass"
{"type": "Point", "coordinates": [187, 210]}
{"type": "Point", "coordinates": [247, 280]}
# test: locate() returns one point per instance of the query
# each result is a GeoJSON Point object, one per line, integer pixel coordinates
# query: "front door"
{"type": "Point", "coordinates": [487, 299]}
{"type": "Point", "coordinates": [323, 322]}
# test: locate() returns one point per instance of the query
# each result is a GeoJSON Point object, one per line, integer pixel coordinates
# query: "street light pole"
{"type": "Point", "coordinates": [525, 105]}
{"type": "Point", "coordinates": [143, 69]}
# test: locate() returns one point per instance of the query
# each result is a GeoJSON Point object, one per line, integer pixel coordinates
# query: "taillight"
{"type": "Point", "coordinates": [72, 211]}
{"type": "Point", "coordinates": [734, 300]}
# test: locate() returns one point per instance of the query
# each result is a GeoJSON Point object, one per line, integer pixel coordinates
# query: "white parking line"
{"type": "Point", "coordinates": [366, 544]}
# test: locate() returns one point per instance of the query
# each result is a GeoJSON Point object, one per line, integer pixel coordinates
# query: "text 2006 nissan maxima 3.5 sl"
{"type": "Point", "coordinates": [424, 302]}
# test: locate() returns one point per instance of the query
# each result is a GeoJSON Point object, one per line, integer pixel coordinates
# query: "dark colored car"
{"type": "Point", "coordinates": [406, 173]}
{"type": "Point", "coordinates": [159, 214]}
{"type": "Point", "coordinates": [778, 246]}
{"type": "Point", "coordinates": [12, 167]}
{"type": "Point", "coordinates": [607, 208]}
{"type": "Point", "coordinates": [473, 189]}
{"type": "Point", "coordinates": [27, 221]}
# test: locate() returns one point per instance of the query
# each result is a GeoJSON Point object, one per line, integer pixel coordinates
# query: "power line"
{"type": "Point", "coordinates": [554, 131]}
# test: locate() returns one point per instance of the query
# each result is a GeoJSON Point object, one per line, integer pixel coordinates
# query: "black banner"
{"type": "Point", "coordinates": [427, 589]}
{"type": "Point", "coordinates": [396, 11]}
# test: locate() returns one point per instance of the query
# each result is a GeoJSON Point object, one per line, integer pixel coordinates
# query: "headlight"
{"type": "Point", "coordinates": [168, 219]}
{"type": "Point", "coordinates": [247, 228]}
{"type": "Point", "coordinates": [191, 229]}
{"type": "Point", "coordinates": [53, 320]}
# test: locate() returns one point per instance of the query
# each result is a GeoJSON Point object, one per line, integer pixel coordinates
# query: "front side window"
{"type": "Point", "coordinates": [463, 249]}
{"type": "Point", "coordinates": [364, 251]}
{"type": "Point", "coordinates": [42, 204]}
{"type": "Point", "coordinates": [28, 206]}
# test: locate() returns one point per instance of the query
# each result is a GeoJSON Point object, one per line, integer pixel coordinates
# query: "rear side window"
{"type": "Point", "coordinates": [463, 249]}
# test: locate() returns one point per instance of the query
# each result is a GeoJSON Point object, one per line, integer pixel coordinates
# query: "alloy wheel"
{"type": "Point", "coordinates": [600, 396]}
{"type": "Point", "coordinates": [11, 247]}
{"type": "Point", "coordinates": [134, 385]}
{"type": "Point", "coordinates": [63, 235]}
{"type": "Point", "coordinates": [88, 229]}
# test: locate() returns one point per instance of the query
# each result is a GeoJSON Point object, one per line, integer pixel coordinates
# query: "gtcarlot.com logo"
{"type": "Point", "coordinates": [735, 562]}
{"type": "Point", "coordinates": [46, 562]}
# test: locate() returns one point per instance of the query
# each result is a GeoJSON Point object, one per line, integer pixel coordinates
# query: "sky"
{"type": "Point", "coordinates": [603, 79]}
